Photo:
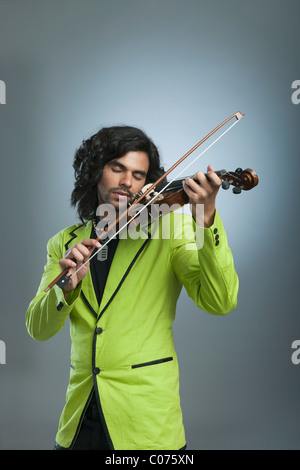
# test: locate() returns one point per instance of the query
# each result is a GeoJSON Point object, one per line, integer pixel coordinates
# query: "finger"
{"type": "Point", "coordinates": [77, 255]}
{"type": "Point", "coordinates": [83, 248]}
{"type": "Point", "coordinates": [91, 242]}
{"type": "Point", "coordinates": [199, 178]}
{"type": "Point", "coordinates": [213, 178]}
{"type": "Point", "coordinates": [67, 263]}
{"type": "Point", "coordinates": [196, 181]}
{"type": "Point", "coordinates": [186, 187]}
{"type": "Point", "coordinates": [87, 246]}
{"type": "Point", "coordinates": [193, 189]}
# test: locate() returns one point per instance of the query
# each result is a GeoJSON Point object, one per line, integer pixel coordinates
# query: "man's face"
{"type": "Point", "coordinates": [122, 178]}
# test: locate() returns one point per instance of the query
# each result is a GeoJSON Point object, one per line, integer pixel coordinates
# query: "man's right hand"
{"type": "Point", "coordinates": [74, 258]}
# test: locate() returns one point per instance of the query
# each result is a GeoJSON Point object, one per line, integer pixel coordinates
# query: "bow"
{"type": "Point", "coordinates": [62, 279]}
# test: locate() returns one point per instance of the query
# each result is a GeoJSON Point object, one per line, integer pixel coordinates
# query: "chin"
{"type": "Point", "coordinates": [119, 207]}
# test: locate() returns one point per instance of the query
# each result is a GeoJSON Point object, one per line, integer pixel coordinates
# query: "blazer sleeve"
{"type": "Point", "coordinates": [47, 312]}
{"type": "Point", "coordinates": [203, 263]}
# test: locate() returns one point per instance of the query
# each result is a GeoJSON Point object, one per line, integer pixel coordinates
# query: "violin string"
{"type": "Point", "coordinates": [154, 197]}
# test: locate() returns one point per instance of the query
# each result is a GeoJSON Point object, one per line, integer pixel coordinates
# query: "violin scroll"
{"type": "Point", "coordinates": [240, 179]}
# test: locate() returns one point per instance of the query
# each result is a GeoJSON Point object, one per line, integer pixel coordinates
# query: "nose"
{"type": "Point", "coordinates": [126, 179]}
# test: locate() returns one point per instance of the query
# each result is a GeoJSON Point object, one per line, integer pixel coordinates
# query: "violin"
{"type": "Point", "coordinates": [172, 193]}
{"type": "Point", "coordinates": [241, 180]}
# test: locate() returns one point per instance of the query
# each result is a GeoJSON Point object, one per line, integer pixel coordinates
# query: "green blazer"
{"type": "Point", "coordinates": [124, 346]}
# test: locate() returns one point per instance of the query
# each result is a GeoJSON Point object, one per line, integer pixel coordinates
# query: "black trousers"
{"type": "Point", "coordinates": [91, 435]}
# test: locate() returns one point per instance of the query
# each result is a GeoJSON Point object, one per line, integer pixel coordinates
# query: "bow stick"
{"type": "Point", "coordinates": [62, 278]}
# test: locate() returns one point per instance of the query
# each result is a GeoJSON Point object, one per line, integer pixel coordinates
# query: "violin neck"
{"type": "Point", "coordinates": [240, 179]}
{"type": "Point", "coordinates": [178, 183]}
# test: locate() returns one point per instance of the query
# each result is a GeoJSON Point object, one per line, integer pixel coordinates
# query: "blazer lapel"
{"type": "Point", "coordinates": [127, 253]}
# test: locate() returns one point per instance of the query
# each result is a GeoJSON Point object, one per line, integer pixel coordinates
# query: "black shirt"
{"type": "Point", "coordinates": [100, 268]}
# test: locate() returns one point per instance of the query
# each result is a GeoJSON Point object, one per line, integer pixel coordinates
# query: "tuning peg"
{"type": "Point", "coordinates": [225, 184]}
{"type": "Point", "coordinates": [239, 171]}
{"type": "Point", "coordinates": [236, 190]}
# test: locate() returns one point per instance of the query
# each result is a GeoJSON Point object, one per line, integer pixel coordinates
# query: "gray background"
{"type": "Point", "coordinates": [176, 69]}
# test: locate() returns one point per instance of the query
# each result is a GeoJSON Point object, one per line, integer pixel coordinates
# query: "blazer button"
{"type": "Point", "coordinates": [217, 242]}
{"type": "Point", "coordinates": [60, 306]}
{"type": "Point", "coordinates": [215, 230]}
{"type": "Point", "coordinates": [96, 370]}
{"type": "Point", "coordinates": [99, 330]}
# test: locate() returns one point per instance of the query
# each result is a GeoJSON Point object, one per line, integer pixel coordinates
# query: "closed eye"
{"type": "Point", "coordinates": [137, 175]}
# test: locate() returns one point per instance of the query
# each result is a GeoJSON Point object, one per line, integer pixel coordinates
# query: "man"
{"type": "Point", "coordinates": [124, 380]}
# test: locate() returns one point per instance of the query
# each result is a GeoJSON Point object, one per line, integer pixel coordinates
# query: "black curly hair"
{"type": "Point", "coordinates": [89, 160]}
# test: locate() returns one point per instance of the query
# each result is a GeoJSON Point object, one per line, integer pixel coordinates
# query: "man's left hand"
{"type": "Point", "coordinates": [203, 189]}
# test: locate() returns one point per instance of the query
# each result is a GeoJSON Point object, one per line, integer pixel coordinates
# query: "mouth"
{"type": "Point", "coordinates": [121, 194]}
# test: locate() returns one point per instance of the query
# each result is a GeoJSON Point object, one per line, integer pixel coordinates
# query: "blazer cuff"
{"type": "Point", "coordinates": [60, 301]}
{"type": "Point", "coordinates": [212, 237]}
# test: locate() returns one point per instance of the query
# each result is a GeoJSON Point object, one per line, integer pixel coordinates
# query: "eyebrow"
{"type": "Point", "coordinates": [123, 167]}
